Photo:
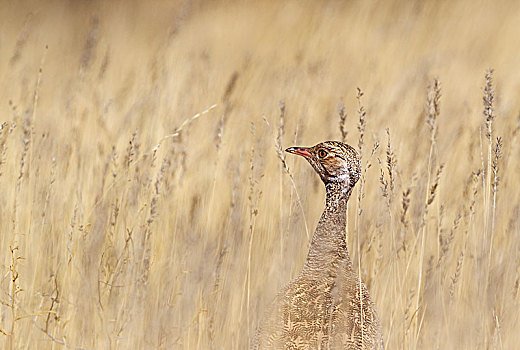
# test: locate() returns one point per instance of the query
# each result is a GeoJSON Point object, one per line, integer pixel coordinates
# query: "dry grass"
{"type": "Point", "coordinates": [109, 240]}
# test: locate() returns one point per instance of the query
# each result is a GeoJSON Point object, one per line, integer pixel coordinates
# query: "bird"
{"type": "Point", "coordinates": [326, 306]}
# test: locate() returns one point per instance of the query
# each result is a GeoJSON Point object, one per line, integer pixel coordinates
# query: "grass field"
{"type": "Point", "coordinates": [126, 223]}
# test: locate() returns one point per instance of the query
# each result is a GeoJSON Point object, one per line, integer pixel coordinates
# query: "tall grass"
{"type": "Point", "coordinates": [139, 210]}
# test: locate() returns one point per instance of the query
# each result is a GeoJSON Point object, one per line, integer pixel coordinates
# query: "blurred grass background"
{"type": "Point", "coordinates": [110, 242]}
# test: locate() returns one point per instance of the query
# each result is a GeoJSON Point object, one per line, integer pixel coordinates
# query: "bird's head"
{"type": "Point", "coordinates": [334, 161]}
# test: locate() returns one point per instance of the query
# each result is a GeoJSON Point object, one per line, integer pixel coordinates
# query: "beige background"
{"type": "Point", "coordinates": [123, 248]}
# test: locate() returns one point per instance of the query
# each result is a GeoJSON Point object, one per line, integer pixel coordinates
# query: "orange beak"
{"type": "Point", "coordinates": [301, 151]}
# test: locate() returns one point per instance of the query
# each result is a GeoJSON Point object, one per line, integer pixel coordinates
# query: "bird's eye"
{"type": "Point", "coordinates": [322, 153]}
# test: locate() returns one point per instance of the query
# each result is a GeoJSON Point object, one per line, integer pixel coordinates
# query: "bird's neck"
{"type": "Point", "coordinates": [328, 249]}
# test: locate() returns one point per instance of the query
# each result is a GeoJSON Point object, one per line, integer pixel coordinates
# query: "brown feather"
{"type": "Point", "coordinates": [326, 306]}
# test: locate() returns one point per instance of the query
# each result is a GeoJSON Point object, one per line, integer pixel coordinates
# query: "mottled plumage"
{"type": "Point", "coordinates": [326, 306]}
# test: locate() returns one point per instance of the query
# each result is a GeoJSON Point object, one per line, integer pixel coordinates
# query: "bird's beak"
{"type": "Point", "coordinates": [301, 151]}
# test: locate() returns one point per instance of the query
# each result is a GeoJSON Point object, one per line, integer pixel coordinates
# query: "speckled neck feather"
{"type": "Point", "coordinates": [329, 242]}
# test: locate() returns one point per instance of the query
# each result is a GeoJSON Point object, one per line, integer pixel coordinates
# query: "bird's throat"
{"type": "Point", "coordinates": [337, 196]}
